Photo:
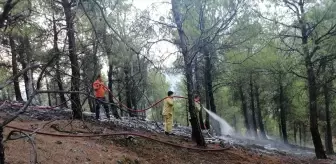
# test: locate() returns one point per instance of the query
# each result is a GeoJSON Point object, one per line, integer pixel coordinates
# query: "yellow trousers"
{"type": "Point", "coordinates": [168, 119]}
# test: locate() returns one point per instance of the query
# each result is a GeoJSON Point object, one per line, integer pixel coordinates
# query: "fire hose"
{"type": "Point", "coordinates": [141, 110]}
{"type": "Point", "coordinates": [118, 134]}
{"type": "Point", "coordinates": [118, 102]}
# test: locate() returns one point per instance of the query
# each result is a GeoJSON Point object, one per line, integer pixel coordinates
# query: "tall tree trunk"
{"type": "Point", "coordinates": [295, 132]}
{"type": "Point", "coordinates": [283, 117]}
{"type": "Point", "coordinates": [110, 80]}
{"type": "Point", "coordinates": [304, 134]}
{"type": "Point", "coordinates": [2, 147]}
{"type": "Point", "coordinates": [329, 143]}
{"type": "Point", "coordinates": [28, 52]}
{"type": "Point", "coordinates": [244, 108]}
{"type": "Point", "coordinates": [312, 87]}
{"type": "Point", "coordinates": [207, 104]}
{"type": "Point", "coordinates": [22, 60]}
{"type": "Point", "coordinates": [280, 129]}
{"type": "Point", "coordinates": [208, 64]}
{"type": "Point", "coordinates": [209, 98]}
{"type": "Point", "coordinates": [55, 94]}
{"type": "Point", "coordinates": [107, 47]}
{"type": "Point", "coordinates": [49, 94]}
{"type": "Point", "coordinates": [134, 100]}
{"type": "Point", "coordinates": [17, 89]}
{"type": "Point", "coordinates": [254, 122]}
{"type": "Point", "coordinates": [58, 71]}
{"type": "Point", "coordinates": [60, 85]}
{"type": "Point", "coordinates": [187, 113]}
{"type": "Point", "coordinates": [119, 98]}
{"type": "Point", "coordinates": [128, 91]}
{"type": "Point", "coordinates": [260, 120]}
{"type": "Point", "coordinates": [75, 72]}
{"type": "Point", "coordinates": [198, 89]}
{"type": "Point", "coordinates": [235, 125]}
{"type": "Point", "coordinates": [196, 130]}
{"type": "Point", "coordinates": [300, 133]}
{"type": "Point", "coordinates": [311, 80]}
{"type": "Point", "coordinates": [187, 55]}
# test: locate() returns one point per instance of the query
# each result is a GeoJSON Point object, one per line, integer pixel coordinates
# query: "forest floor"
{"type": "Point", "coordinates": [122, 149]}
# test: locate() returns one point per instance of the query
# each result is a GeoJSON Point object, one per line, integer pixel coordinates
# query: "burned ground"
{"type": "Point", "coordinates": [120, 149]}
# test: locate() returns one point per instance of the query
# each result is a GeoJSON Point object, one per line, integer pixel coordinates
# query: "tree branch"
{"type": "Point", "coordinates": [11, 80]}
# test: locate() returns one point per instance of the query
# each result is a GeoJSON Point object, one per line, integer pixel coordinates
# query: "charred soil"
{"type": "Point", "coordinates": [121, 149]}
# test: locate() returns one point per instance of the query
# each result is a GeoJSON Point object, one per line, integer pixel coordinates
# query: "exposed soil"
{"type": "Point", "coordinates": [123, 149]}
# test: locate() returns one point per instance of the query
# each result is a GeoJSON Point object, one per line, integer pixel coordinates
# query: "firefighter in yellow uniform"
{"type": "Point", "coordinates": [168, 110]}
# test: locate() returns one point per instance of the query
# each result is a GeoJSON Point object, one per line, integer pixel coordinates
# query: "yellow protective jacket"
{"type": "Point", "coordinates": [168, 106]}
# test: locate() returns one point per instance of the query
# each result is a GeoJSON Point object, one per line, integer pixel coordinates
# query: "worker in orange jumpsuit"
{"type": "Point", "coordinates": [168, 110]}
{"type": "Point", "coordinates": [99, 91]}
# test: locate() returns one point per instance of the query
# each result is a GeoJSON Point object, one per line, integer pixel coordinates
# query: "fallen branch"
{"type": "Point", "coordinates": [11, 80]}
{"type": "Point", "coordinates": [23, 135]}
{"type": "Point", "coordinates": [8, 6]}
{"type": "Point", "coordinates": [122, 134]}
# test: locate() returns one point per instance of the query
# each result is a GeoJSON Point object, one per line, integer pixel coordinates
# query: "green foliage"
{"type": "Point", "coordinates": [157, 89]}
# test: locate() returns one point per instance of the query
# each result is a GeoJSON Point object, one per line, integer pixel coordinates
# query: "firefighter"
{"type": "Point", "coordinates": [198, 108]}
{"type": "Point", "coordinates": [197, 103]}
{"type": "Point", "coordinates": [168, 110]}
{"type": "Point", "coordinates": [99, 91]}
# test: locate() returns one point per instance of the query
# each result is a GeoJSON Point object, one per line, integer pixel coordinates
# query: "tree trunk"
{"type": "Point", "coordinates": [17, 89]}
{"type": "Point", "coordinates": [113, 107]}
{"type": "Point", "coordinates": [60, 85]}
{"type": "Point", "coordinates": [283, 117]}
{"type": "Point", "coordinates": [235, 125]}
{"type": "Point", "coordinates": [311, 80]}
{"type": "Point", "coordinates": [254, 122]}
{"type": "Point", "coordinates": [260, 122]}
{"type": "Point", "coordinates": [329, 143]}
{"type": "Point", "coordinates": [187, 113]}
{"type": "Point", "coordinates": [2, 148]}
{"type": "Point", "coordinates": [208, 65]}
{"type": "Point", "coordinates": [58, 72]}
{"type": "Point", "coordinates": [119, 98]}
{"type": "Point", "coordinates": [300, 133]}
{"type": "Point", "coordinates": [244, 108]}
{"type": "Point", "coordinates": [207, 69]}
{"type": "Point", "coordinates": [207, 105]}
{"type": "Point", "coordinates": [22, 60]}
{"type": "Point", "coordinates": [280, 129]}
{"type": "Point", "coordinates": [128, 92]}
{"type": "Point", "coordinates": [196, 130]}
{"type": "Point", "coordinates": [208, 80]}
{"type": "Point", "coordinates": [295, 131]}
{"type": "Point", "coordinates": [304, 134]}
{"type": "Point", "coordinates": [134, 101]}
{"type": "Point", "coordinates": [55, 94]}
{"type": "Point", "coordinates": [28, 52]}
{"type": "Point", "coordinates": [75, 72]}
{"type": "Point", "coordinates": [49, 94]}
{"type": "Point", "coordinates": [312, 87]}
{"type": "Point", "coordinates": [198, 89]}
